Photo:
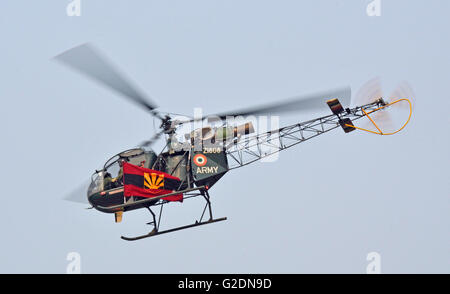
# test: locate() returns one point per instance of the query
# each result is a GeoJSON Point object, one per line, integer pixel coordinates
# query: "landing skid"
{"type": "Point", "coordinates": [155, 232]}
{"type": "Point", "coordinates": [155, 223]}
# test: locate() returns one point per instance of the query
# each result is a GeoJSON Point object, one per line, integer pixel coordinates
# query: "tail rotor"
{"type": "Point", "coordinates": [387, 120]}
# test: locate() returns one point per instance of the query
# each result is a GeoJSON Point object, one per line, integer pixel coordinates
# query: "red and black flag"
{"type": "Point", "coordinates": [144, 182]}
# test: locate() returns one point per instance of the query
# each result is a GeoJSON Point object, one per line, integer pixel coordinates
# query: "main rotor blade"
{"type": "Point", "coordinates": [151, 140]}
{"type": "Point", "coordinates": [295, 104]}
{"type": "Point", "coordinates": [87, 60]}
{"type": "Point", "coordinates": [300, 103]}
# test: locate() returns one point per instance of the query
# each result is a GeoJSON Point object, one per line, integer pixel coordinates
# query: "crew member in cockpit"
{"type": "Point", "coordinates": [108, 182]}
{"type": "Point", "coordinates": [118, 181]}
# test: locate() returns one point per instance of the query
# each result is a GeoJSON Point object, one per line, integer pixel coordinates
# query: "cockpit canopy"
{"type": "Point", "coordinates": [110, 176]}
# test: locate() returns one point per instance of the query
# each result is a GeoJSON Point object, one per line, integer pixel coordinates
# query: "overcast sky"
{"type": "Point", "coordinates": [320, 208]}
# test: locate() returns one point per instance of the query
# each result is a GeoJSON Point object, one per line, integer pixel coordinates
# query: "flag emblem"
{"type": "Point", "coordinates": [144, 182]}
{"type": "Point", "coordinates": [153, 181]}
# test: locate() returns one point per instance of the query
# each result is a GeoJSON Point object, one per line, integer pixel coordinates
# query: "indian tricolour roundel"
{"type": "Point", "coordinates": [200, 160]}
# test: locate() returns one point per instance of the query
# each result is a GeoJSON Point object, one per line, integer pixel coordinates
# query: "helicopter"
{"type": "Point", "coordinates": [140, 178]}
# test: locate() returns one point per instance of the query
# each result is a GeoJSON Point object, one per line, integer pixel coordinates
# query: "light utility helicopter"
{"type": "Point", "coordinates": [141, 178]}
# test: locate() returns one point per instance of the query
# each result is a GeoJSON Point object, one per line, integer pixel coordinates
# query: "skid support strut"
{"type": "Point", "coordinates": [155, 224]}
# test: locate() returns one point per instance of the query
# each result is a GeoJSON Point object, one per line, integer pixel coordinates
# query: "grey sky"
{"type": "Point", "coordinates": [321, 208]}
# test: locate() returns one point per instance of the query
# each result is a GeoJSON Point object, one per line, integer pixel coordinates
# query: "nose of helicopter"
{"type": "Point", "coordinates": [106, 198]}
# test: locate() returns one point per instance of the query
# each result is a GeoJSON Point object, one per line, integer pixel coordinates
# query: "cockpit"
{"type": "Point", "coordinates": [110, 177]}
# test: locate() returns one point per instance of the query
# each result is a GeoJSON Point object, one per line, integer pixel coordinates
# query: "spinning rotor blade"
{"type": "Point", "coordinates": [78, 195]}
{"type": "Point", "coordinates": [88, 61]}
{"type": "Point", "coordinates": [368, 93]}
{"type": "Point", "coordinates": [371, 91]}
{"type": "Point", "coordinates": [152, 139]}
{"type": "Point", "coordinates": [403, 90]}
{"type": "Point", "coordinates": [301, 103]}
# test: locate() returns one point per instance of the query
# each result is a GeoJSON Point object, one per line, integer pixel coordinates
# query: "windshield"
{"type": "Point", "coordinates": [96, 185]}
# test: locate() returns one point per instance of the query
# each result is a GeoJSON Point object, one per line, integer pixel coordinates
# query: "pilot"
{"type": "Point", "coordinates": [108, 182]}
{"type": "Point", "coordinates": [118, 181]}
